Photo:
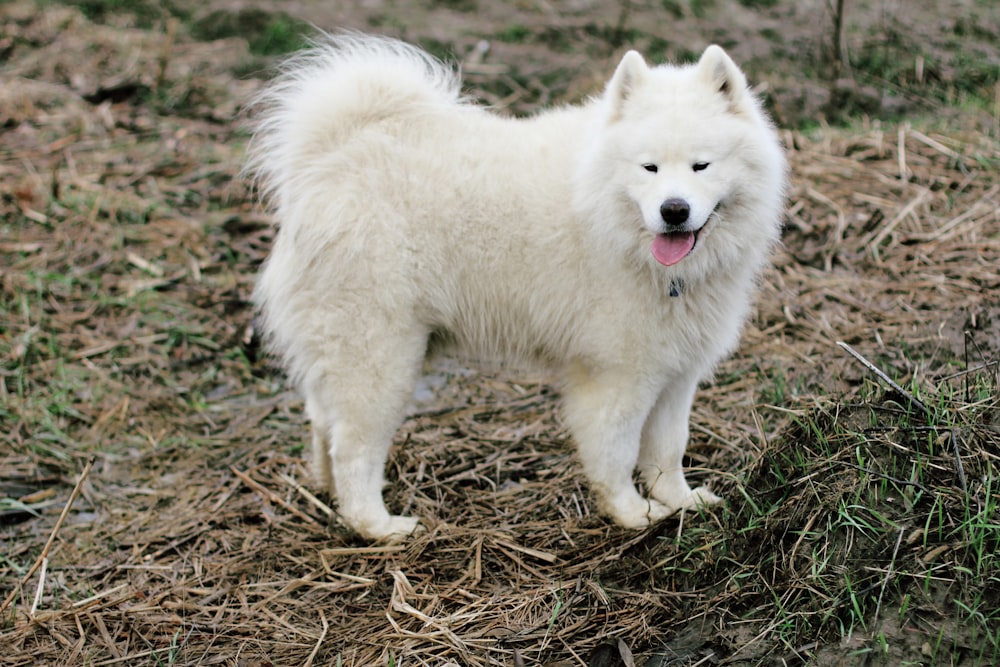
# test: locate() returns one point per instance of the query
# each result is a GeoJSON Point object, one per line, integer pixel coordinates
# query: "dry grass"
{"type": "Point", "coordinates": [150, 469]}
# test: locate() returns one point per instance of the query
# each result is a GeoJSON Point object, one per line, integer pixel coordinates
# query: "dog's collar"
{"type": "Point", "coordinates": [676, 287]}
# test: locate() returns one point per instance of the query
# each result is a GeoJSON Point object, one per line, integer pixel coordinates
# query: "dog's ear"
{"type": "Point", "coordinates": [629, 75]}
{"type": "Point", "coordinates": [719, 71]}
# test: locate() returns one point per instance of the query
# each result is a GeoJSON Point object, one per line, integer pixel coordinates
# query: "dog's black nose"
{"type": "Point", "coordinates": [675, 212]}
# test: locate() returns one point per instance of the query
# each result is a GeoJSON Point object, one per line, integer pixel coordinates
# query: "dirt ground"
{"type": "Point", "coordinates": [154, 498]}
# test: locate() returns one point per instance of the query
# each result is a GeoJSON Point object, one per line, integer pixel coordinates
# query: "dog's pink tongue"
{"type": "Point", "coordinates": [668, 249]}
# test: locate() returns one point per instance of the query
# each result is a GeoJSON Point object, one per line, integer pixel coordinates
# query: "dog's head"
{"type": "Point", "coordinates": [690, 151]}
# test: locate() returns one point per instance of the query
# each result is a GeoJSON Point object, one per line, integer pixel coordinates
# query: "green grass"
{"type": "Point", "coordinates": [267, 33]}
{"type": "Point", "coordinates": [456, 5]}
{"type": "Point", "coordinates": [514, 34]}
{"type": "Point", "coordinates": [144, 13]}
{"type": "Point", "coordinates": [854, 522]}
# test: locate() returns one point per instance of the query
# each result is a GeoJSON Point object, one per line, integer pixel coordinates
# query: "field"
{"type": "Point", "coordinates": [155, 506]}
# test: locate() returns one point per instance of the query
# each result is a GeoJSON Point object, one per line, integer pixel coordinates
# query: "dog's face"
{"type": "Point", "coordinates": [678, 188]}
{"type": "Point", "coordinates": [686, 145]}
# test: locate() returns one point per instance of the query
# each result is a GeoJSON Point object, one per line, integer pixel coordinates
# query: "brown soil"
{"type": "Point", "coordinates": [150, 466]}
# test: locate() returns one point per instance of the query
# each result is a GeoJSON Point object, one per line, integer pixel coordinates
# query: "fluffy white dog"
{"type": "Point", "coordinates": [618, 242]}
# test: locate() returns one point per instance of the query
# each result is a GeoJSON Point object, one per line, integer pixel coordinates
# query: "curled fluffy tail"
{"type": "Point", "coordinates": [329, 91]}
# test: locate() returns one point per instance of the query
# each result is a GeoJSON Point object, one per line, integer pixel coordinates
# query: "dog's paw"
{"type": "Point", "coordinates": [391, 530]}
{"type": "Point", "coordinates": [685, 498]}
{"type": "Point", "coordinates": [702, 497]}
{"type": "Point", "coordinates": [635, 511]}
{"type": "Point", "coordinates": [399, 528]}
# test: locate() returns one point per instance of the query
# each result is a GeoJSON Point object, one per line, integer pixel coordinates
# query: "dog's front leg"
{"type": "Point", "coordinates": [664, 439]}
{"type": "Point", "coordinates": [606, 412]}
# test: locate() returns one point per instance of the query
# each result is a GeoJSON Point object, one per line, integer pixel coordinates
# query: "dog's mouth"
{"type": "Point", "coordinates": [671, 247]}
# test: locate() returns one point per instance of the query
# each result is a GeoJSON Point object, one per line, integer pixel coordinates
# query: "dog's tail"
{"type": "Point", "coordinates": [327, 92]}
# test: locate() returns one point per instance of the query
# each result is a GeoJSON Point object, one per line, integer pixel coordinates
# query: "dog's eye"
{"type": "Point", "coordinates": [650, 167]}
{"type": "Point", "coordinates": [699, 166]}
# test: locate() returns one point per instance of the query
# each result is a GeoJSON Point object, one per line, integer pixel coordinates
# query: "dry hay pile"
{"type": "Point", "coordinates": [150, 470]}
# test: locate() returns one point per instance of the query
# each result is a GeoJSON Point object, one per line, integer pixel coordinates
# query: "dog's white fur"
{"type": "Point", "coordinates": [408, 215]}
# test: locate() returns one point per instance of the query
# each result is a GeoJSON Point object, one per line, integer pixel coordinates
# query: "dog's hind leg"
{"type": "Point", "coordinates": [356, 404]}
{"type": "Point", "coordinates": [664, 439]}
{"type": "Point", "coordinates": [321, 444]}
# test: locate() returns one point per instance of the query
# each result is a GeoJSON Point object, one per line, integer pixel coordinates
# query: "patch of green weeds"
{"type": "Point", "coordinates": [857, 513]}
{"type": "Point", "coordinates": [658, 49]}
{"type": "Point", "coordinates": [144, 13]}
{"type": "Point", "coordinates": [562, 40]}
{"type": "Point", "coordinates": [679, 9]}
{"type": "Point", "coordinates": [891, 58]}
{"type": "Point", "coordinates": [674, 7]}
{"type": "Point", "coordinates": [514, 34]}
{"type": "Point", "coordinates": [614, 36]}
{"type": "Point", "coordinates": [772, 35]}
{"type": "Point", "coordinates": [685, 55]}
{"type": "Point", "coordinates": [973, 25]}
{"type": "Point", "coordinates": [267, 33]}
{"type": "Point", "coordinates": [15, 505]}
{"type": "Point", "coordinates": [774, 389]}
{"type": "Point", "coordinates": [455, 5]}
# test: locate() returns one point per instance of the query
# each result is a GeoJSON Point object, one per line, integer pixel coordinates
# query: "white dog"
{"type": "Point", "coordinates": [618, 242]}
